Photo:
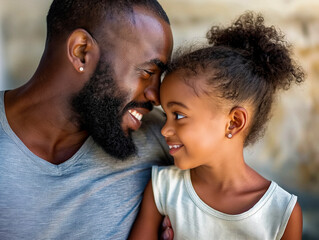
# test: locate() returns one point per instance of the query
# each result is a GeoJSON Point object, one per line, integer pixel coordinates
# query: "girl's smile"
{"type": "Point", "coordinates": [173, 148]}
{"type": "Point", "coordinates": [195, 125]}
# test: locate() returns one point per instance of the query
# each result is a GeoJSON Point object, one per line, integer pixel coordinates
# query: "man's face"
{"type": "Point", "coordinates": [125, 83]}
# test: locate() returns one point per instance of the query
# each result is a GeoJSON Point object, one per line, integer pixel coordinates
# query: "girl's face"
{"type": "Point", "coordinates": [195, 128]}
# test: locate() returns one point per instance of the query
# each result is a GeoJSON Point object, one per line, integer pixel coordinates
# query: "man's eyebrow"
{"type": "Point", "coordinates": [170, 104]}
{"type": "Point", "coordinates": [158, 63]}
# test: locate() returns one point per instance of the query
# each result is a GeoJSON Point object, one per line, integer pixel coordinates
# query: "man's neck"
{"type": "Point", "coordinates": [44, 124]}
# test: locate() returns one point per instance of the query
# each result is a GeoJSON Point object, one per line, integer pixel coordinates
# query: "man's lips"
{"type": "Point", "coordinates": [132, 118]}
{"type": "Point", "coordinates": [133, 114]}
{"type": "Point", "coordinates": [136, 114]}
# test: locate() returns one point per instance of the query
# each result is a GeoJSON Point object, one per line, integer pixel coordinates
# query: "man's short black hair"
{"type": "Point", "coordinates": [64, 16]}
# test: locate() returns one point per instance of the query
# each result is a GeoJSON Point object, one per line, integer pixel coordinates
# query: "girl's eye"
{"type": "Point", "coordinates": [179, 116]}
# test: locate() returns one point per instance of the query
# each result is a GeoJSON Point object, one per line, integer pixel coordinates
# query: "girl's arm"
{"type": "Point", "coordinates": [148, 221]}
{"type": "Point", "coordinates": [294, 226]}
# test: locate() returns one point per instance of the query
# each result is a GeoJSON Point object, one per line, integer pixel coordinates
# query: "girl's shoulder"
{"type": "Point", "coordinates": [167, 169]}
{"type": "Point", "coordinates": [167, 173]}
{"type": "Point", "coordinates": [282, 197]}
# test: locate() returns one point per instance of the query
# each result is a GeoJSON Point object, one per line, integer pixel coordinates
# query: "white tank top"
{"type": "Point", "coordinates": [193, 219]}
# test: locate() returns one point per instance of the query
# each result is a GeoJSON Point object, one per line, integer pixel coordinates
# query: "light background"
{"type": "Point", "coordinates": [289, 152]}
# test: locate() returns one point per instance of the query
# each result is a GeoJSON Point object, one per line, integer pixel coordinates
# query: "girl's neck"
{"type": "Point", "coordinates": [228, 174]}
{"type": "Point", "coordinates": [229, 186]}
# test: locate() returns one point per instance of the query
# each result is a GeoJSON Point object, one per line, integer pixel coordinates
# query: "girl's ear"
{"type": "Point", "coordinates": [83, 51]}
{"type": "Point", "coordinates": [238, 118]}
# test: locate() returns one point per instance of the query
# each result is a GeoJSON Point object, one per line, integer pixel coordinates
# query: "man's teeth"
{"type": "Point", "coordinates": [136, 114]}
{"type": "Point", "coordinates": [174, 146]}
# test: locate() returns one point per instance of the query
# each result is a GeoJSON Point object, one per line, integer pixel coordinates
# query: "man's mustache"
{"type": "Point", "coordinates": [146, 105]}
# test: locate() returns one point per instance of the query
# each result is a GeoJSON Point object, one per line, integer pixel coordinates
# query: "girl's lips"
{"type": "Point", "coordinates": [173, 148]}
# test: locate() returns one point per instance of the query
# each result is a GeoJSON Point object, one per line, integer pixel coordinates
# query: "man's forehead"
{"type": "Point", "coordinates": [142, 39]}
{"type": "Point", "coordinates": [131, 25]}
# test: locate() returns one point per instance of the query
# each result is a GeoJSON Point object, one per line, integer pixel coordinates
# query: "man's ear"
{"type": "Point", "coordinates": [82, 50]}
{"type": "Point", "coordinates": [238, 121]}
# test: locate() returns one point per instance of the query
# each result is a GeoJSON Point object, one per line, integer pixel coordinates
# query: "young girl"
{"type": "Point", "coordinates": [217, 100]}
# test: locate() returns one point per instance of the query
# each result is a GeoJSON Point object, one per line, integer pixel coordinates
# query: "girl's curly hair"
{"type": "Point", "coordinates": [246, 62]}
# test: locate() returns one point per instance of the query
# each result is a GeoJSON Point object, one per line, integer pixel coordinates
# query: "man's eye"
{"type": "Point", "coordinates": [144, 73]}
{"type": "Point", "coordinates": [179, 116]}
{"type": "Point", "coordinates": [147, 74]}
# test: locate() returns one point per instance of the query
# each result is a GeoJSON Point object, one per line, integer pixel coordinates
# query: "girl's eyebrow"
{"type": "Point", "coordinates": [170, 104]}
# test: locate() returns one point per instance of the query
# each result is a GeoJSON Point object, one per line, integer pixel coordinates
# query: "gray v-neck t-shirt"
{"type": "Point", "coordinates": [90, 196]}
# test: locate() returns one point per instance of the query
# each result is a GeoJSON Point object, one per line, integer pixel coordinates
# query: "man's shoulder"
{"type": "Point", "coordinates": [154, 118]}
{"type": "Point", "coordinates": [149, 137]}
{"type": "Point", "coordinates": [153, 121]}
{"type": "Point", "coordinates": [152, 124]}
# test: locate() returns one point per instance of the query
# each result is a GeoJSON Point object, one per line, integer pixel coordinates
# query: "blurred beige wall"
{"type": "Point", "coordinates": [289, 153]}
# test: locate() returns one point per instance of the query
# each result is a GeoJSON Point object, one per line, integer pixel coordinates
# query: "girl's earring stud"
{"type": "Point", "coordinates": [229, 135]}
{"type": "Point", "coordinates": [81, 69]}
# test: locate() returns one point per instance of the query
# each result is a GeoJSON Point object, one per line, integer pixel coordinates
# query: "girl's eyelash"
{"type": "Point", "coordinates": [178, 114]}
{"type": "Point", "coordinates": [175, 114]}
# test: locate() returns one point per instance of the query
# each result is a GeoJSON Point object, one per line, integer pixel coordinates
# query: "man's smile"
{"type": "Point", "coordinates": [132, 119]}
{"type": "Point", "coordinates": [136, 114]}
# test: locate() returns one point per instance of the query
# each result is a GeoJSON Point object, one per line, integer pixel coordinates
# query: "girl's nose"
{"type": "Point", "coordinates": [167, 130]}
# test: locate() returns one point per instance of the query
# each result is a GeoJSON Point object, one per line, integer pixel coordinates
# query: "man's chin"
{"type": "Point", "coordinates": [118, 147]}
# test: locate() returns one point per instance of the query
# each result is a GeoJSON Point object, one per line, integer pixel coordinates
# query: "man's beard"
{"type": "Point", "coordinates": [100, 109]}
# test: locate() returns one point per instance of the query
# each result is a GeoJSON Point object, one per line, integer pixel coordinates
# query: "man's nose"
{"type": "Point", "coordinates": [152, 93]}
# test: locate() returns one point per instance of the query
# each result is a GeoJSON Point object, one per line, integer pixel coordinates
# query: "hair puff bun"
{"type": "Point", "coordinates": [264, 46]}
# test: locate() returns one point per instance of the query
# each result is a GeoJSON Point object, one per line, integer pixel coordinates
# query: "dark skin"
{"type": "Point", "coordinates": [39, 112]}
{"type": "Point", "coordinates": [221, 179]}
